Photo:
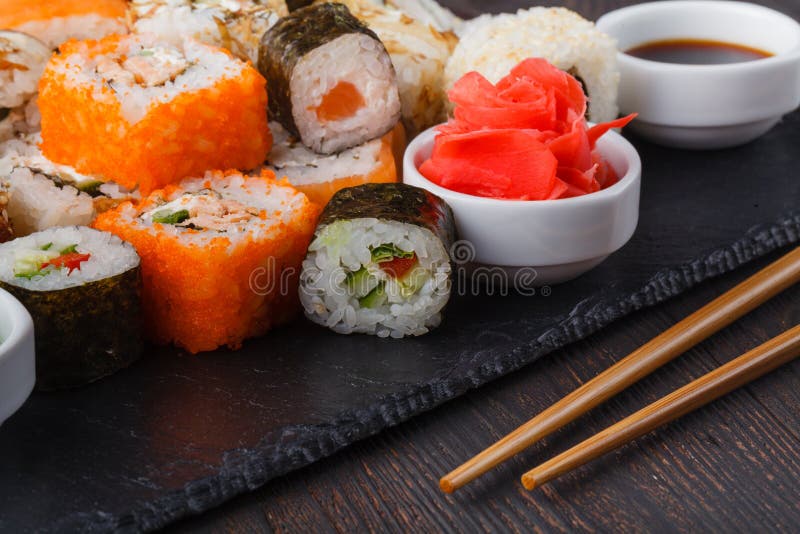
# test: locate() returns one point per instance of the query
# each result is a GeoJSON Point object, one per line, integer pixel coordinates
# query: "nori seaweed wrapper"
{"type": "Point", "coordinates": [289, 40]}
{"type": "Point", "coordinates": [294, 5]}
{"type": "Point", "coordinates": [86, 332]}
{"type": "Point", "coordinates": [392, 202]}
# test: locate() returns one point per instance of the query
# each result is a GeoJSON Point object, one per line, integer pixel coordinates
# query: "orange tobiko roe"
{"type": "Point", "coordinates": [221, 126]}
{"type": "Point", "coordinates": [17, 12]}
{"type": "Point", "coordinates": [524, 138]}
{"type": "Point", "coordinates": [201, 297]}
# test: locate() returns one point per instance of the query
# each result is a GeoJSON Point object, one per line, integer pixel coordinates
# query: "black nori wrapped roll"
{"type": "Point", "coordinates": [92, 326]}
{"type": "Point", "coordinates": [330, 80]}
{"type": "Point", "coordinates": [379, 263]}
{"type": "Point", "coordinates": [393, 202]}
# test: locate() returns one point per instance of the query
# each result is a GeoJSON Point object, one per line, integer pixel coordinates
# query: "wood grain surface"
{"type": "Point", "coordinates": [730, 466]}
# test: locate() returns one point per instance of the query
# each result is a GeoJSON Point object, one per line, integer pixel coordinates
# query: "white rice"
{"type": "Point", "coordinates": [419, 53]}
{"type": "Point", "coordinates": [110, 256]}
{"type": "Point", "coordinates": [302, 166]}
{"type": "Point", "coordinates": [35, 203]}
{"type": "Point", "coordinates": [54, 31]}
{"type": "Point", "coordinates": [327, 301]}
{"type": "Point", "coordinates": [494, 44]}
{"type": "Point", "coordinates": [207, 66]}
{"type": "Point", "coordinates": [25, 58]}
{"type": "Point", "coordinates": [281, 203]}
{"type": "Point", "coordinates": [233, 24]}
{"type": "Point", "coordinates": [360, 60]}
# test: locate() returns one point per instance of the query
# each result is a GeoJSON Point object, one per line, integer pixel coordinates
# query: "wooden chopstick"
{"type": "Point", "coordinates": [701, 324]}
{"type": "Point", "coordinates": [736, 373]}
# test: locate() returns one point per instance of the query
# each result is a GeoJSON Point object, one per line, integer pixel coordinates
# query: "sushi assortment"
{"type": "Point", "coordinates": [198, 172]}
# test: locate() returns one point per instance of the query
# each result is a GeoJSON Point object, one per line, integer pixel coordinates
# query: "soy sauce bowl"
{"type": "Point", "coordinates": [533, 243]}
{"type": "Point", "coordinates": [706, 106]}
{"type": "Point", "coordinates": [17, 362]}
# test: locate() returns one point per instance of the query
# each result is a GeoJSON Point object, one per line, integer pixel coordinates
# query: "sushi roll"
{"type": "Point", "coordinates": [22, 61]}
{"type": "Point", "coordinates": [54, 22]}
{"type": "Point", "coordinates": [494, 44]}
{"type": "Point", "coordinates": [220, 256]}
{"type": "Point", "coordinates": [83, 290]}
{"type": "Point", "coordinates": [233, 24]}
{"type": "Point", "coordinates": [379, 262]}
{"type": "Point", "coordinates": [331, 82]}
{"type": "Point", "coordinates": [419, 53]}
{"type": "Point", "coordinates": [43, 194]}
{"type": "Point", "coordinates": [320, 176]}
{"type": "Point", "coordinates": [6, 232]}
{"type": "Point", "coordinates": [144, 113]}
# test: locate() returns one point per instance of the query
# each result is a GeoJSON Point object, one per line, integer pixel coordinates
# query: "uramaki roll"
{"type": "Point", "coordinates": [233, 24]}
{"type": "Point", "coordinates": [55, 21]}
{"type": "Point", "coordinates": [144, 113]}
{"type": "Point", "coordinates": [220, 256]}
{"type": "Point", "coordinates": [321, 176]}
{"type": "Point", "coordinates": [331, 81]}
{"type": "Point", "coordinates": [43, 194]}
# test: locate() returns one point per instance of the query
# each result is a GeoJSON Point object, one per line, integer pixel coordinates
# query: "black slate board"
{"type": "Point", "coordinates": [176, 435]}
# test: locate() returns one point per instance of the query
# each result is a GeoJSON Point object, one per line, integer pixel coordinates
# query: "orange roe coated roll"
{"type": "Point", "coordinates": [16, 12]}
{"type": "Point", "coordinates": [223, 292]}
{"type": "Point", "coordinates": [385, 171]}
{"type": "Point", "coordinates": [221, 126]}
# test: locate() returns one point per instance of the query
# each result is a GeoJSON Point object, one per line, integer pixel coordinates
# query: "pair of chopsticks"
{"type": "Point", "coordinates": [698, 326]}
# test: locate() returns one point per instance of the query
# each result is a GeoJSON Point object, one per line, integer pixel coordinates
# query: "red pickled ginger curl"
{"type": "Point", "coordinates": [524, 138]}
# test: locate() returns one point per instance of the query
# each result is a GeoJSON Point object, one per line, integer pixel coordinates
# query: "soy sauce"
{"type": "Point", "coordinates": [696, 52]}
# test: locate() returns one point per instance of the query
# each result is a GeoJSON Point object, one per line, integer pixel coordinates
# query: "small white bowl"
{"type": "Point", "coordinates": [551, 240]}
{"type": "Point", "coordinates": [706, 106]}
{"type": "Point", "coordinates": [17, 361]}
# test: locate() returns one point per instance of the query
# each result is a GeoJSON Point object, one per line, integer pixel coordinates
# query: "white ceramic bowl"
{"type": "Point", "coordinates": [17, 362]}
{"type": "Point", "coordinates": [706, 106]}
{"type": "Point", "coordinates": [554, 240]}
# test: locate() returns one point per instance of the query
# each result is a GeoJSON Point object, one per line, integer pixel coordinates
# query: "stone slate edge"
{"type": "Point", "coordinates": [244, 470]}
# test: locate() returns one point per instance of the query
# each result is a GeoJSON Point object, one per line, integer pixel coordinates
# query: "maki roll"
{"type": "Point", "coordinates": [6, 232]}
{"type": "Point", "coordinates": [22, 61]}
{"type": "Point", "coordinates": [220, 256]}
{"type": "Point", "coordinates": [233, 24]}
{"type": "Point", "coordinates": [145, 113]}
{"type": "Point", "coordinates": [43, 194]}
{"type": "Point", "coordinates": [379, 262]}
{"type": "Point", "coordinates": [82, 288]}
{"type": "Point", "coordinates": [55, 21]}
{"type": "Point", "coordinates": [320, 176]}
{"type": "Point", "coordinates": [331, 82]}
{"type": "Point", "coordinates": [419, 53]}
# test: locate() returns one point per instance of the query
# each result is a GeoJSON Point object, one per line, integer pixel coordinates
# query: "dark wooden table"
{"type": "Point", "coordinates": [732, 466]}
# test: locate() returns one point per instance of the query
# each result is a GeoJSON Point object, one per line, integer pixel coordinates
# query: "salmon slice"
{"type": "Point", "coordinates": [341, 102]}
